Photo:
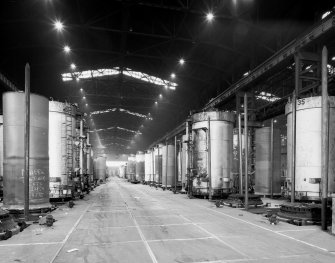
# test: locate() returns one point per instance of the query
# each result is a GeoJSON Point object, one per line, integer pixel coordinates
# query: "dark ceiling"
{"type": "Point", "coordinates": [148, 36]}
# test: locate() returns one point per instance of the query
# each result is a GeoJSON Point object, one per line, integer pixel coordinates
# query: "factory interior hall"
{"type": "Point", "coordinates": [167, 131]}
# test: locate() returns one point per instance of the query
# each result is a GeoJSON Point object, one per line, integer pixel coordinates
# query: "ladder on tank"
{"type": "Point", "coordinates": [67, 141]}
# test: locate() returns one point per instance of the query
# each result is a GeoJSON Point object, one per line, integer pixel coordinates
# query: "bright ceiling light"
{"type": "Point", "coordinates": [86, 104]}
{"type": "Point", "coordinates": [209, 17]}
{"type": "Point", "coordinates": [156, 102]}
{"type": "Point", "coordinates": [324, 15]}
{"type": "Point", "coordinates": [67, 49]}
{"type": "Point", "coordinates": [84, 98]}
{"type": "Point", "coordinates": [160, 96]}
{"type": "Point", "coordinates": [181, 61]}
{"type": "Point", "coordinates": [73, 66]}
{"type": "Point", "coordinates": [81, 89]}
{"type": "Point", "coordinates": [58, 25]}
{"type": "Point", "coordinates": [173, 75]}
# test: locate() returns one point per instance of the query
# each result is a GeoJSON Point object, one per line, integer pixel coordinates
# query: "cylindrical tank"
{"type": "Point", "coordinates": [95, 175]}
{"type": "Point", "coordinates": [147, 166]}
{"type": "Point", "coordinates": [1, 155]}
{"type": "Point", "coordinates": [182, 160]}
{"type": "Point", "coordinates": [236, 163]}
{"type": "Point", "coordinates": [263, 164]}
{"type": "Point", "coordinates": [131, 167]}
{"type": "Point", "coordinates": [308, 147]}
{"type": "Point", "coordinates": [14, 123]}
{"type": "Point", "coordinates": [220, 125]}
{"type": "Point", "coordinates": [61, 132]}
{"type": "Point", "coordinates": [101, 168]}
{"type": "Point", "coordinates": [168, 166]}
{"type": "Point", "coordinates": [140, 166]}
{"type": "Point", "coordinates": [158, 164]}
{"type": "Point", "coordinates": [122, 171]}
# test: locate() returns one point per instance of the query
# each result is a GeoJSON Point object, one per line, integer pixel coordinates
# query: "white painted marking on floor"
{"type": "Point", "coordinates": [216, 237]}
{"type": "Point", "coordinates": [70, 232]}
{"type": "Point", "coordinates": [295, 230]}
{"type": "Point", "coordinates": [266, 229]}
{"type": "Point", "coordinates": [179, 239]}
{"type": "Point", "coordinates": [254, 259]}
{"type": "Point", "coordinates": [31, 244]}
{"type": "Point", "coordinates": [146, 244]}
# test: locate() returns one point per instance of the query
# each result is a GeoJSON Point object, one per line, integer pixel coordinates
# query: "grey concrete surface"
{"type": "Point", "coordinates": [122, 222]}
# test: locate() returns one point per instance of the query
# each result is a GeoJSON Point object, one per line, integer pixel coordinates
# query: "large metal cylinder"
{"type": "Point", "coordinates": [1, 155]}
{"type": "Point", "coordinates": [148, 166]}
{"type": "Point", "coordinates": [308, 147]}
{"type": "Point", "coordinates": [213, 132]}
{"type": "Point", "coordinates": [14, 123]}
{"type": "Point", "coordinates": [183, 162]}
{"type": "Point", "coordinates": [168, 166]}
{"type": "Point", "coordinates": [101, 168]}
{"type": "Point", "coordinates": [95, 175]}
{"type": "Point", "coordinates": [263, 165]}
{"type": "Point", "coordinates": [131, 167]}
{"type": "Point", "coordinates": [122, 171]}
{"type": "Point", "coordinates": [62, 129]}
{"type": "Point", "coordinates": [158, 164]}
{"type": "Point", "coordinates": [140, 166]}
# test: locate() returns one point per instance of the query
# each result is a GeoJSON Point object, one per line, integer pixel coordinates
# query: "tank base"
{"type": "Point", "coordinates": [303, 213]}
{"type": "Point", "coordinates": [8, 227]}
{"type": "Point", "coordinates": [19, 209]}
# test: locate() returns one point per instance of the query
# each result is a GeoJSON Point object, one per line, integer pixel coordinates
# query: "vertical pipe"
{"type": "Point", "coordinates": [158, 167]}
{"type": "Point", "coordinates": [166, 163]}
{"type": "Point", "coordinates": [175, 164]}
{"type": "Point", "coordinates": [209, 160]}
{"type": "Point", "coordinates": [240, 149]}
{"type": "Point", "coordinates": [81, 158]}
{"type": "Point", "coordinates": [188, 168]}
{"type": "Point", "coordinates": [27, 142]}
{"type": "Point", "coordinates": [271, 157]}
{"type": "Point", "coordinates": [246, 204]}
{"type": "Point", "coordinates": [153, 166]}
{"type": "Point", "coordinates": [324, 137]}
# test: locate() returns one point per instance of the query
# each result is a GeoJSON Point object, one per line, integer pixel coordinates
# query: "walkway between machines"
{"type": "Point", "coordinates": [123, 222]}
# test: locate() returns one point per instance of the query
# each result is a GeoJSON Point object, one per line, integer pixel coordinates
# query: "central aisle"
{"type": "Point", "coordinates": [136, 223]}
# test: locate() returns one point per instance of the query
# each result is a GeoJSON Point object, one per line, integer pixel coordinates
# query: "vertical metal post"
{"type": "Point", "coordinates": [245, 103]}
{"type": "Point", "coordinates": [210, 194]}
{"type": "Point", "coordinates": [166, 163]}
{"type": "Point", "coordinates": [189, 159]}
{"type": "Point", "coordinates": [26, 142]}
{"type": "Point", "coordinates": [81, 149]}
{"type": "Point", "coordinates": [175, 164]}
{"type": "Point", "coordinates": [153, 166]}
{"type": "Point", "coordinates": [158, 167]}
{"type": "Point", "coordinates": [294, 123]}
{"type": "Point", "coordinates": [240, 149]}
{"type": "Point", "coordinates": [324, 137]}
{"type": "Point", "coordinates": [271, 157]}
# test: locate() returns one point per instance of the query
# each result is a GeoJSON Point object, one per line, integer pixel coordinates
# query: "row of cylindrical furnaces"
{"type": "Point", "coordinates": [206, 157]}
{"type": "Point", "coordinates": [61, 164]}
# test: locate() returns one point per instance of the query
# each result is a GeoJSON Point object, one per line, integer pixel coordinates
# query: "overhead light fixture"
{"type": "Point", "coordinates": [156, 102]}
{"type": "Point", "coordinates": [67, 49]}
{"type": "Point", "coordinates": [73, 66]}
{"type": "Point", "coordinates": [181, 61]}
{"type": "Point", "coordinates": [81, 89]}
{"type": "Point", "coordinates": [173, 75]}
{"type": "Point", "coordinates": [324, 15]}
{"type": "Point", "coordinates": [210, 17]}
{"type": "Point", "coordinates": [160, 96]}
{"type": "Point", "coordinates": [58, 25]}
{"type": "Point", "coordinates": [84, 98]}
{"type": "Point", "coordinates": [86, 104]}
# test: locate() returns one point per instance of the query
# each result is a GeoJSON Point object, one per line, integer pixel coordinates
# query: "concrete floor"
{"type": "Point", "coordinates": [122, 222]}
